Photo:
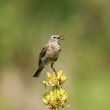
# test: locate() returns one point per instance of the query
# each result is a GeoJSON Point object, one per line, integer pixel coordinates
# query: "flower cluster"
{"type": "Point", "coordinates": [57, 97]}
{"type": "Point", "coordinates": [55, 80]}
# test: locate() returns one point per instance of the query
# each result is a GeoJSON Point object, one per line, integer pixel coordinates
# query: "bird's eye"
{"type": "Point", "coordinates": [54, 37]}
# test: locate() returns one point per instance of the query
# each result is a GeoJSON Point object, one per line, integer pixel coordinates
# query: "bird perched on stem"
{"type": "Point", "coordinates": [49, 54]}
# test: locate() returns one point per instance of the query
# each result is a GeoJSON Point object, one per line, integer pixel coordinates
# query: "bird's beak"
{"type": "Point", "coordinates": [61, 37]}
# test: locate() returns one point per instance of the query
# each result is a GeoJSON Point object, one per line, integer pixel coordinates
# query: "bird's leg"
{"type": "Point", "coordinates": [53, 68]}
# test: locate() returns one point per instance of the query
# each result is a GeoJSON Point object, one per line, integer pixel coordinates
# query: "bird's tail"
{"type": "Point", "coordinates": [37, 73]}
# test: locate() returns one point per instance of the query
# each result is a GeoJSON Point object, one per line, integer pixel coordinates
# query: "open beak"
{"type": "Point", "coordinates": [61, 37]}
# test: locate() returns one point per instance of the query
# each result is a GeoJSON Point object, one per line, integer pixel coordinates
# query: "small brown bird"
{"type": "Point", "coordinates": [49, 54]}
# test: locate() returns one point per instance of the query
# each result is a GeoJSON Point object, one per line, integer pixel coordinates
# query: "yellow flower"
{"type": "Point", "coordinates": [45, 101]}
{"type": "Point", "coordinates": [54, 80]}
{"type": "Point", "coordinates": [48, 74]}
{"type": "Point", "coordinates": [57, 97]}
{"type": "Point", "coordinates": [59, 74]}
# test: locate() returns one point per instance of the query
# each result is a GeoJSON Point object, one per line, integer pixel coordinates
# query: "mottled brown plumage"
{"type": "Point", "coordinates": [49, 54]}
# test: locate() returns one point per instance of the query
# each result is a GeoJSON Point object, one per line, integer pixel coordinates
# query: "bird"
{"type": "Point", "coordinates": [49, 54]}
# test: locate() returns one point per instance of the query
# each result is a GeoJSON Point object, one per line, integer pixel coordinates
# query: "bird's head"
{"type": "Point", "coordinates": [56, 38]}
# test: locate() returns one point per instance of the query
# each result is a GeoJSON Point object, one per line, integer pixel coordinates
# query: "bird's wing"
{"type": "Point", "coordinates": [42, 53]}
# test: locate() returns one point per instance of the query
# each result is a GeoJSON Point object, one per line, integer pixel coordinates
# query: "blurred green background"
{"type": "Point", "coordinates": [25, 26]}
